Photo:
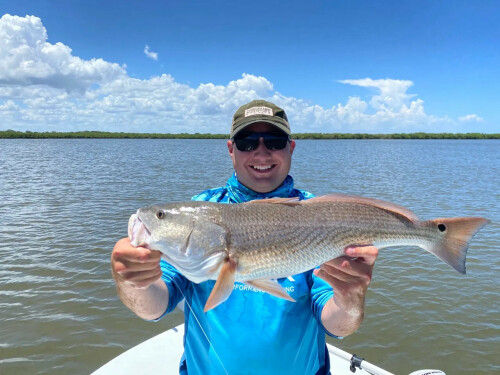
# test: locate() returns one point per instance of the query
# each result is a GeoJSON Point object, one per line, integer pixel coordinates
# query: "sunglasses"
{"type": "Point", "coordinates": [250, 141]}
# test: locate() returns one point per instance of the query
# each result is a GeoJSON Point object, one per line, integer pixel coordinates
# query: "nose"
{"type": "Point", "coordinates": [261, 148]}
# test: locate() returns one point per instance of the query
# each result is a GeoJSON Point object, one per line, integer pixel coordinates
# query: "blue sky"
{"type": "Point", "coordinates": [185, 66]}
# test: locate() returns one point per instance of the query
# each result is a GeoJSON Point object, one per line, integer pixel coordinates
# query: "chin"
{"type": "Point", "coordinates": [265, 187]}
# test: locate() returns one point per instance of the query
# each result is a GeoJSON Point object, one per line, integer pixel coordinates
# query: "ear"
{"type": "Point", "coordinates": [230, 148]}
{"type": "Point", "coordinates": [292, 146]}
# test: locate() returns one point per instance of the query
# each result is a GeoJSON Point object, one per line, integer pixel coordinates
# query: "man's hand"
{"type": "Point", "coordinates": [136, 266]}
{"type": "Point", "coordinates": [349, 277]}
{"type": "Point", "coordinates": [137, 273]}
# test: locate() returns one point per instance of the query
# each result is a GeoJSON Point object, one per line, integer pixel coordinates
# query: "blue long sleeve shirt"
{"type": "Point", "coordinates": [252, 332]}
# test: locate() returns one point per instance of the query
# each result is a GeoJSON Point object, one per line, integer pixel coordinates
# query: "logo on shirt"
{"type": "Point", "coordinates": [245, 287]}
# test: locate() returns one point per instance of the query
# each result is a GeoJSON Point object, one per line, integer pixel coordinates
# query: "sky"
{"type": "Point", "coordinates": [165, 66]}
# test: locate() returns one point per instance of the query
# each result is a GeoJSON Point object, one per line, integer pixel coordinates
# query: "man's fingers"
{"type": "Point", "coordinates": [137, 254]}
{"type": "Point", "coordinates": [142, 279]}
{"type": "Point", "coordinates": [365, 254]}
{"type": "Point", "coordinates": [347, 267]}
{"type": "Point", "coordinates": [135, 264]}
{"type": "Point", "coordinates": [137, 259]}
{"type": "Point", "coordinates": [355, 268]}
{"type": "Point", "coordinates": [348, 272]}
{"type": "Point", "coordinates": [126, 266]}
{"type": "Point", "coordinates": [321, 273]}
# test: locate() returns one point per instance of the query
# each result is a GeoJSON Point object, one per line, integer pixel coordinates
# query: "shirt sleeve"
{"type": "Point", "coordinates": [321, 292]}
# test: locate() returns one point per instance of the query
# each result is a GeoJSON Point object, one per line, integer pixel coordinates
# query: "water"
{"type": "Point", "coordinates": [64, 203]}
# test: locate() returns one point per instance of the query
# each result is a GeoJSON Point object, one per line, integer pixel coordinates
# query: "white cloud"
{"type": "Point", "coordinates": [470, 118]}
{"type": "Point", "coordinates": [9, 106]}
{"type": "Point", "coordinates": [392, 92]}
{"type": "Point", "coordinates": [44, 87]}
{"type": "Point", "coordinates": [152, 55]}
{"type": "Point", "coordinates": [390, 109]}
{"type": "Point", "coordinates": [26, 59]}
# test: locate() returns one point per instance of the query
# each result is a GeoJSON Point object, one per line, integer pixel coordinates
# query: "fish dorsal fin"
{"type": "Point", "coordinates": [387, 206]}
{"type": "Point", "coordinates": [286, 201]}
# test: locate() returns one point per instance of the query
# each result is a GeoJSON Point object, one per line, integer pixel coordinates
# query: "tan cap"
{"type": "Point", "coordinates": [259, 111]}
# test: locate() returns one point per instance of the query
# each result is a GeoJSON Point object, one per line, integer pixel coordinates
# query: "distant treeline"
{"type": "Point", "coordinates": [98, 134]}
{"type": "Point", "coordinates": [396, 136]}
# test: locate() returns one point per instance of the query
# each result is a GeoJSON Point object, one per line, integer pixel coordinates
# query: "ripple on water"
{"type": "Point", "coordinates": [66, 202]}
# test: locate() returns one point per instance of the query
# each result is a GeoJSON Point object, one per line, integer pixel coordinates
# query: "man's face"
{"type": "Point", "coordinates": [261, 170]}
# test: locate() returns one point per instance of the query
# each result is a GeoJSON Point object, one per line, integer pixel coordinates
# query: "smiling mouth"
{"type": "Point", "coordinates": [262, 168]}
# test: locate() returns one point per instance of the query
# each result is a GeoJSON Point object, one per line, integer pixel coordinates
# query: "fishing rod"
{"type": "Point", "coordinates": [360, 363]}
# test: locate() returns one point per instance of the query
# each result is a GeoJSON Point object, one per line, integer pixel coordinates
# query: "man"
{"type": "Point", "coordinates": [252, 332]}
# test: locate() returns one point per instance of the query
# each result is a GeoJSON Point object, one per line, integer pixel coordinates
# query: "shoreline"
{"type": "Point", "coordinates": [12, 134]}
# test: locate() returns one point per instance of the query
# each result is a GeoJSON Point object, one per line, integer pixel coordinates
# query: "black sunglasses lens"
{"type": "Point", "coordinates": [275, 144]}
{"type": "Point", "coordinates": [250, 141]}
{"type": "Point", "coordinates": [246, 144]}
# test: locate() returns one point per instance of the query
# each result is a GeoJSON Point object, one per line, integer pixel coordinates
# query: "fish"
{"type": "Point", "coordinates": [259, 241]}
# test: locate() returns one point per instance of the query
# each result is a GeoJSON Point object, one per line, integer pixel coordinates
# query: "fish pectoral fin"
{"type": "Point", "coordinates": [223, 286]}
{"type": "Point", "coordinates": [271, 287]}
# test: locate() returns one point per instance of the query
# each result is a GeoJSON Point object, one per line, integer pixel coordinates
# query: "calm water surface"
{"type": "Point", "coordinates": [64, 203]}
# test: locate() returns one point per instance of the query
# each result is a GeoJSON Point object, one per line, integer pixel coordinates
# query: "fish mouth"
{"type": "Point", "coordinates": [138, 233]}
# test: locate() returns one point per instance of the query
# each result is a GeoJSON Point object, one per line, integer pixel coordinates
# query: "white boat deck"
{"type": "Point", "coordinates": [161, 355]}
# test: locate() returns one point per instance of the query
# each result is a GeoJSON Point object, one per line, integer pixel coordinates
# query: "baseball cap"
{"type": "Point", "coordinates": [259, 111]}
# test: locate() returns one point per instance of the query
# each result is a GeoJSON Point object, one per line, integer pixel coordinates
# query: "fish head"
{"type": "Point", "coordinates": [186, 236]}
{"type": "Point", "coordinates": [159, 228]}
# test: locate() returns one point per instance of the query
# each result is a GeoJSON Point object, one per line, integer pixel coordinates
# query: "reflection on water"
{"type": "Point", "coordinates": [64, 203]}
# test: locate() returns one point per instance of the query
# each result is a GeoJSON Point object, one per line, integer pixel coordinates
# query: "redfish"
{"type": "Point", "coordinates": [261, 240]}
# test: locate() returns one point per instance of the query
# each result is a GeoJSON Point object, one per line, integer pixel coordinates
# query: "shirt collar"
{"type": "Point", "coordinates": [239, 193]}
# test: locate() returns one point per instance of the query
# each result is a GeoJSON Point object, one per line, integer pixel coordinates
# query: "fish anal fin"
{"type": "Point", "coordinates": [271, 287]}
{"type": "Point", "coordinates": [387, 206]}
{"type": "Point", "coordinates": [223, 286]}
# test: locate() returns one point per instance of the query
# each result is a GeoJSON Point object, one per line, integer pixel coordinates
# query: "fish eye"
{"type": "Point", "coordinates": [160, 214]}
{"type": "Point", "coordinates": [441, 227]}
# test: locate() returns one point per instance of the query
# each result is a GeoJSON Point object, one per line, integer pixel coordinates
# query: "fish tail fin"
{"type": "Point", "coordinates": [223, 286]}
{"type": "Point", "coordinates": [458, 232]}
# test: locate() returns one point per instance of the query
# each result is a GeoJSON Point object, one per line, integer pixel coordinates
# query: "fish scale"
{"type": "Point", "coordinates": [257, 241]}
{"type": "Point", "coordinates": [322, 233]}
